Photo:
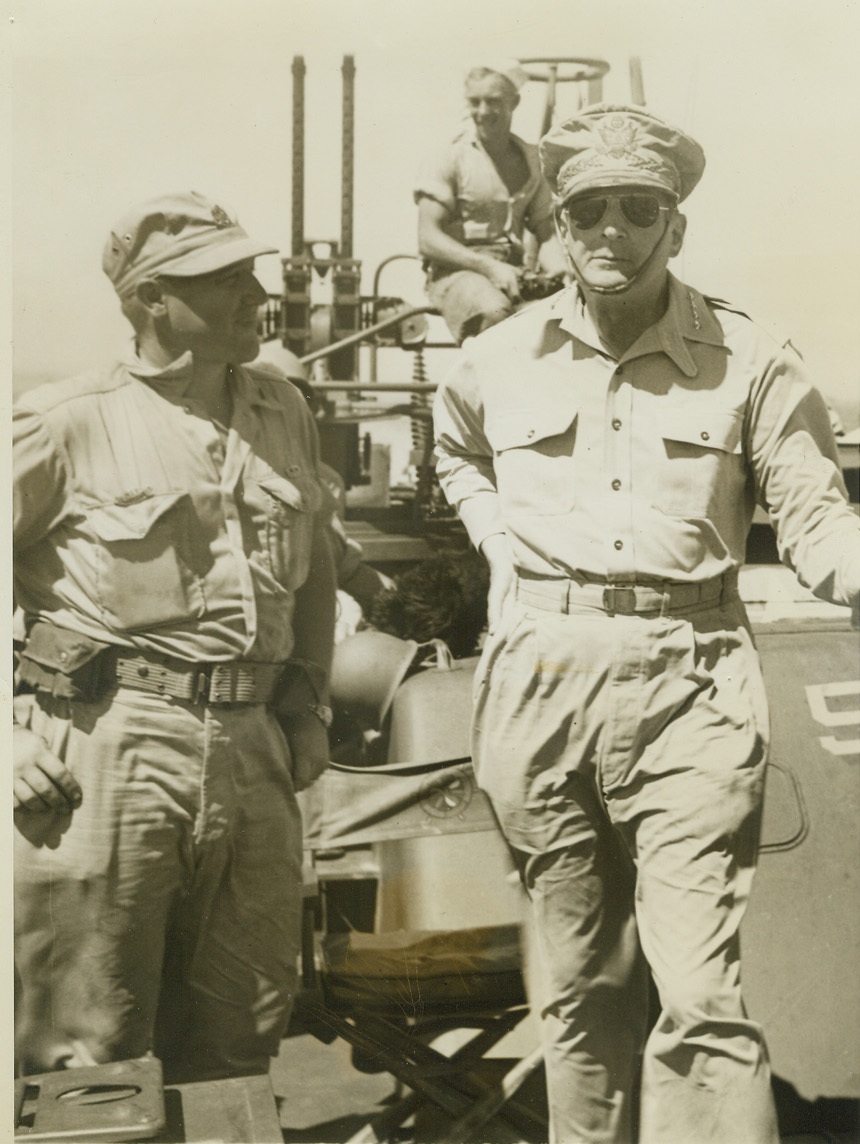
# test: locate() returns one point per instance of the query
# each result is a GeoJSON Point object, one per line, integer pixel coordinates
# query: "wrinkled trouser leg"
{"type": "Point", "coordinates": [468, 302]}
{"type": "Point", "coordinates": [690, 811]}
{"type": "Point", "coordinates": [187, 843]}
{"type": "Point", "coordinates": [667, 718]}
{"type": "Point", "coordinates": [593, 978]}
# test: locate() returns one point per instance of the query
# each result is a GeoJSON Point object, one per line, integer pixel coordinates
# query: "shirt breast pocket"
{"type": "Point", "coordinates": [534, 460]}
{"type": "Point", "coordinates": [700, 461]}
{"type": "Point", "coordinates": [289, 507]}
{"type": "Point", "coordinates": [143, 573]}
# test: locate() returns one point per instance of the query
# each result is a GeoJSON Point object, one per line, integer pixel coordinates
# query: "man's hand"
{"type": "Point", "coordinates": [504, 277]}
{"type": "Point", "coordinates": [497, 552]}
{"type": "Point", "coordinates": [308, 742]}
{"type": "Point", "coordinates": [41, 780]}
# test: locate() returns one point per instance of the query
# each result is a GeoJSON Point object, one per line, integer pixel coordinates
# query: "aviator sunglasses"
{"type": "Point", "coordinates": [641, 209]}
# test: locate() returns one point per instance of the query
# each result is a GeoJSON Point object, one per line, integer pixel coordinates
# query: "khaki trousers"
{"type": "Point", "coordinates": [624, 756]}
{"type": "Point", "coordinates": [164, 913]}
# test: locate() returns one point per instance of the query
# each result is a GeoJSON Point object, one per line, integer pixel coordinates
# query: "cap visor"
{"type": "Point", "coordinates": [215, 257]}
{"type": "Point", "coordinates": [606, 180]}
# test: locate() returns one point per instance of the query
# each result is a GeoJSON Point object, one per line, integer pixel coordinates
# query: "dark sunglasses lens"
{"type": "Point", "coordinates": [641, 210]}
{"type": "Point", "coordinates": [586, 213]}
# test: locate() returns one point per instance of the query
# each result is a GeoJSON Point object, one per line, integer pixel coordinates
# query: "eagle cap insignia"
{"type": "Point", "coordinates": [618, 135]}
{"type": "Point", "coordinates": [221, 217]}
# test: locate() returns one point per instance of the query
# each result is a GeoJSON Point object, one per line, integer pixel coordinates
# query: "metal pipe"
{"type": "Point", "coordinates": [354, 339]}
{"type": "Point", "coordinates": [549, 104]}
{"type": "Point", "coordinates": [391, 258]}
{"type": "Point", "coordinates": [376, 386]}
{"type": "Point", "coordinates": [374, 351]}
{"type": "Point", "coordinates": [298, 208]}
{"type": "Point", "coordinates": [637, 85]}
{"type": "Point", "coordinates": [348, 157]}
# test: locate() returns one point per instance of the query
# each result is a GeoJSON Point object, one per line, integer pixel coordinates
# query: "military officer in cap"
{"type": "Point", "coordinates": [178, 602]}
{"type": "Point", "coordinates": [606, 449]}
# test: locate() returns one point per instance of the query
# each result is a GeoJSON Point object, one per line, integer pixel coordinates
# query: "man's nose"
{"type": "Point", "coordinates": [254, 290]}
{"type": "Point", "coordinates": [614, 222]}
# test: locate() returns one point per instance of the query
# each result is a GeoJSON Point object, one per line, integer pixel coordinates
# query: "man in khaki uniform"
{"type": "Point", "coordinates": [606, 449]}
{"type": "Point", "coordinates": [178, 597]}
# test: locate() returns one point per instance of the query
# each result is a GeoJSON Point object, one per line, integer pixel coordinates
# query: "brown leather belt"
{"type": "Point", "coordinates": [667, 598]}
{"type": "Point", "coordinates": [236, 681]}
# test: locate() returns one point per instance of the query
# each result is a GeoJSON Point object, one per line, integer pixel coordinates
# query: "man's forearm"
{"type": "Point", "coordinates": [313, 620]}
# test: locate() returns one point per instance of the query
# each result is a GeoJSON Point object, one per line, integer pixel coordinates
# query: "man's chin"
{"type": "Point", "coordinates": [609, 280]}
{"type": "Point", "coordinates": [247, 349]}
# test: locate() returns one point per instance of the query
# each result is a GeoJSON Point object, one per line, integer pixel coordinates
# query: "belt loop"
{"type": "Point", "coordinates": [729, 586]}
{"type": "Point", "coordinates": [665, 600]}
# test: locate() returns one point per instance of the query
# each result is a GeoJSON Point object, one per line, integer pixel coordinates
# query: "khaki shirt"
{"type": "Point", "coordinates": [648, 467]}
{"type": "Point", "coordinates": [139, 522]}
{"type": "Point", "coordinates": [482, 209]}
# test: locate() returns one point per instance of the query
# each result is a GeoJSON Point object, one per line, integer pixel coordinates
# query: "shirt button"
{"type": "Point", "coordinates": [616, 423]}
{"type": "Point", "coordinates": [616, 484]}
{"type": "Point", "coordinates": [186, 408]}
{"type": "Point", "coordinates": [619, 544]}
{"type": "Point", "coordinates": [706, 436]}
{"type": "Point", "coordinates": [619, 371]}
{"type": "Point", "coordinates": [530, 433]}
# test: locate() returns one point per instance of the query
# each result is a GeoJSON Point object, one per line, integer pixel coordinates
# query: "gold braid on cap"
{"type": "Point", "coordinates": [617, 145]}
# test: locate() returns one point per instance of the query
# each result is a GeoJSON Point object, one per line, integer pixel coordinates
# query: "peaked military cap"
{"type": "Point", "coordinates": [616, 144]}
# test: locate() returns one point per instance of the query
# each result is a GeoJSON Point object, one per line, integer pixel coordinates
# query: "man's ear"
{"type": "Point", "coordinates": [677, 230]}
{"type": "Point", "coordinates": [150, 294]}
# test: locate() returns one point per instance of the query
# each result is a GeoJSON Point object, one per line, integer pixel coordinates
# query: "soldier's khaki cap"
{"type": "Point", "coordinates": [182, 235]}
{"type": "Point", "coordinates": [611, 145]}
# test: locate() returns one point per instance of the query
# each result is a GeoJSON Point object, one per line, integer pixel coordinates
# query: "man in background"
{"type": "Point", "coordinates": [476, 201]}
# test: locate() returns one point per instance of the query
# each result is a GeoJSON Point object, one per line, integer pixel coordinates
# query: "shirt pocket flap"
{"type": "Point", "coordinates": [708, 428]}
{"type": "Point", "coordinates": [131, 521]}
{"type": "Point", "coordinates": [525, 427]}
{"type": "Point", "coordinates": [59, 648]}
{"type": "Point", "coordinates": [286, 492]}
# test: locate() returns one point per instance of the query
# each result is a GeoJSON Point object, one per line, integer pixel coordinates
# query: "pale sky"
{"type": "Point", "coordinates": [117, 101]}
{"type": "Point", "coordinates": [113, 101]}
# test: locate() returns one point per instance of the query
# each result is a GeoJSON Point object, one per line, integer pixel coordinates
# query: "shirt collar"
{"type": "Point", "coordinates": [177, 375]}
{"type": "Point", "coordinates": [687, 319]}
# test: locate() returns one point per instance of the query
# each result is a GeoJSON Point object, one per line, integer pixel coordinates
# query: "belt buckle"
{"type": "Point", "coordinates": [223, 683]}
{"type": "Point", "coordinates": [619, 598]}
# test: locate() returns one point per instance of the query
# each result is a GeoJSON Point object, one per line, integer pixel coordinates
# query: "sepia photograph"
{"type": "Point", "coordinates": [434, 572]}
